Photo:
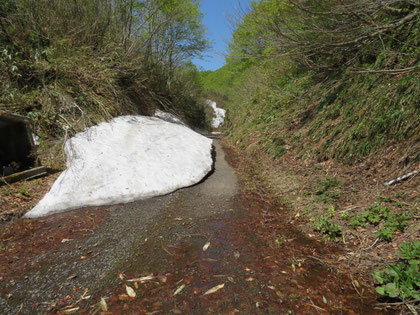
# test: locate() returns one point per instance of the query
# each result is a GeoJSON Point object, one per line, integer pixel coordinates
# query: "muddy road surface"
{"type": "Point", "coordinates": [208, 249]}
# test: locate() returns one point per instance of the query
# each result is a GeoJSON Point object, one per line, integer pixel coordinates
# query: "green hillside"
{"type": "Point", "coordinates": [317, 80]}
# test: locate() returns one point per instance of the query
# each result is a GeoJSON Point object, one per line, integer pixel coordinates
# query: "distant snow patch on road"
{"type": "Point", "coordinates": [219, 113]}
{"type": "Point", "coordinates": [126, 159]}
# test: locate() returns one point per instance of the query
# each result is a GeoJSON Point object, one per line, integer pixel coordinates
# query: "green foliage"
{"type": "Point", "coordinates": [277, 85]}
{"type": "Point", "coordinates": [384, 234]}
{"type": "Point", "coordinates": [345, 215]}
{"type": "Point", "coordinates": [397, 222]}
{"type": "Point", "coordinates": [326, 184]}
{"type": "Point", "coordinates": [379, 213]}
{"type": "Point", "coordinates": [410, 251]}
{"type": "Point", "coordinates": [358, 220]}
{"type": "Point", "coordinates": [327, 227]}
{"type": "Point", "coordinates": [401, 280]}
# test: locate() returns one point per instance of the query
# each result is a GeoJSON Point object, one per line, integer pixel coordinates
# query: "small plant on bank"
{"type": "Point", "coordinates": [327, 227]}
{"type": "Point", "coordinates": [326, 184]}
{"type": "Point", "coordinates": [345, 215]}
{"type": "Point", "coordinates": [377, 214]}
{"type": "Point", "coordinates": [402, 280]}
{"type": "Point", "coordinates": [394, 223]}
{"type": "Point", "coordinates": [358, 220]}
{"type": "Point", "coordinates": [384, 234]}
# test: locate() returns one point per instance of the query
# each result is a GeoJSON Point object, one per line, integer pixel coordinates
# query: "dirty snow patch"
{"type": "Point", "coordinates": [219, 114]}
{"type": "Point", "coordinates": [126, 159]}
{"type": "Point", "coordinates": [168, 117]}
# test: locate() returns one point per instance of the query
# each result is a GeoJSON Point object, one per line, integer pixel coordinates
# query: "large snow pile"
{"type": "Point", "coordinates": [219, 113]}
{"type": "Point", "coordinates": [128, 158]}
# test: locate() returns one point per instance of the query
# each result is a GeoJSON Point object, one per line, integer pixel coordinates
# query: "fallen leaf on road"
{"type": "Point", "coordinates": [162, 278]}
{"type": "Point", "coordinates": [177, 291]}
{"type": "Point", "coordinates": [102, 305]}
{"type": "Point", "coordinates": [70, 310]}
{"type": "Point", "coordinates": [71, 277]}
{"type": "Point", "coordinates": [141, 279]}
{"type": "Point", "coordinates": [249, 279]}
{"type": "Point", "coordinates": [206, 246]}
{"type": "Point", "coordinates": [215, 289]}
{"type": "Point", "coordinates": [230, 279]}
{"type": "Point", "coordinates": [64, 240]}
{"type": "Point", "coordinates": [130, 291]}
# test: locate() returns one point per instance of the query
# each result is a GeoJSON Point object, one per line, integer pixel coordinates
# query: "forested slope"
{"type": "Point", "coordinates": [333, 81]}
{"type": "Point", "coordinates": [70, 64]}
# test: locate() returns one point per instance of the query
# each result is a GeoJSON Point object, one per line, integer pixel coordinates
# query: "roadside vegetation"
{"type": "Point", "coordinates": [323, 98]}
{"type": "Point", "coordinates": [67, 65]}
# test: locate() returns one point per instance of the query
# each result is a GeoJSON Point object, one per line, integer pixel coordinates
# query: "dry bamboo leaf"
{"type": "Point", "coordinates": [206, 246]}
{"type": "Point", "coordinates": [177, 291]}
{"type": "Point", "coordinates": [141, 279]}
{"type": "Point", "coordinates": [130, 291]}
{"type": "Point", "coordinates": [215, 289]}
{"type": "Point", "coordinates": [70, 310]}
{"type": "Point", "coordinates": [102, 305]}
{"type": "Point", "coordinates": [162, 278]}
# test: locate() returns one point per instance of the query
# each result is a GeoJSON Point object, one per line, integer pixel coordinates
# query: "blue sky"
{"type": "Point", "coordinates": [219, 31]}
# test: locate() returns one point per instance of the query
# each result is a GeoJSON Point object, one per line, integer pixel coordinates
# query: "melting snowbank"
{"type": "Point", "coordinates": [219, 113]}
{"type": "Point", "coordinates": [128, 158]}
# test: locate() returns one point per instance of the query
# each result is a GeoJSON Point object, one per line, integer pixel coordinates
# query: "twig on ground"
{"type": "Point", "coordinates": [399, 179]}
{"type": "Point", "coordinates": [317, 307]}
{"type": "Point", "coordinates": [348, 209]}
{"type": "Point", "coordinates": [374, 243]}
{"type": "Point", "coordinates": [167, 251]}
{"type": "Point", "coordinates": [354, 286]}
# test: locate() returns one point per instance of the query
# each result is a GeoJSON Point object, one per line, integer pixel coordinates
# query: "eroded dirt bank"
{"type": "Point", "coordinates": [211, 235]}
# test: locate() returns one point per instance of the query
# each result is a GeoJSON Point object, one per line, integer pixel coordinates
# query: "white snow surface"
{"type": "Point", "coordinates": [219, 113]}
{"type": "Point", "coordinates": [126, 159]}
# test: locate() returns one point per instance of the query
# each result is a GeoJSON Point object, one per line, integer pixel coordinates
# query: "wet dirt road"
{"type": "Point", "coordinates": [176, 248]}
